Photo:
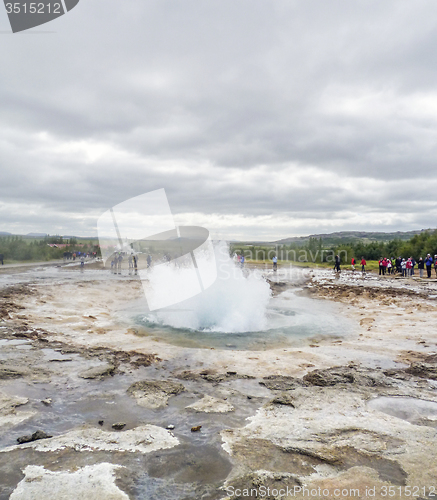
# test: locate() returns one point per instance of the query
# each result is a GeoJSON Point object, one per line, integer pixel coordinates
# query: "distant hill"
{"type": "Point", "coordinates": [4, 233]}
{"type": "Point", "coordinates": [352, 237]}
{"type": "Point", "coordinates": [37, 235]}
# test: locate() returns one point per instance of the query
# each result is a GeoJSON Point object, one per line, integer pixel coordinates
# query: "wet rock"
{"type": "Point", "coordinates": [9, 403]}
{"type": "Point", "coordinates": [154, 393]}
{"type": "Point", "coordinates": [170, 427]}
{"type": "Point", "coordinates": [329, 377]}
{"type": "Point", "coordinates": [34, 437]}
{"type": "Point", "coordinates": [397, 374]}
{"type": "Point", "coordinates": [212, 376]}
{"type": "Point", "coordinates": [98, 371]}
{"type": "Point", "coordinates": [196, 428]}
{"type": "Point", "coordinates": [283, 399]}
{"type": "Point", "coordinates": [7, 372]}
{"type": "Point", "coordinates": [119, 426]}
{"type": "Point", "coordinates": [345, 375]}
{"type": "Point", "coordinates": [423, 370]}
{"type": "Point", "coordinates": [143, 439]}
{"type": "Point", "coordinates": [281, 383]}
{"type": "Point", "coordinates": [92, 481]}
{"type": "Point", "coordinates": [8, 415]}
{"type": "Point", "coordinates": [101, 422]}
{"type": "Point", "coordinates": [262, 454]}
{"type": "Point", "coordinates": [47, 402]}
{"type": "Point", "coordinates": [208, 404]}
{"type": "Point", "coordinates": [251, 484]}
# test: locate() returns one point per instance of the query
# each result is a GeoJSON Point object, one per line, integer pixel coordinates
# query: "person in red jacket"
{"type": "Point", "coordinates": [353, 262]}
{"type": "Point", "coordinates": [363, 265]}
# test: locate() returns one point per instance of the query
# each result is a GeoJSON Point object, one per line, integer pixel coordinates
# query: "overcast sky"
{"type": "Point", "coordinates": [262, 119]}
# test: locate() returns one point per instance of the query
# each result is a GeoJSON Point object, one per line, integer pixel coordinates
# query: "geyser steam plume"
{"type": "Point", "coordinates": [236, 302]}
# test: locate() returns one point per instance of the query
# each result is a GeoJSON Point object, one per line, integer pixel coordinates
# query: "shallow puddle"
{"type": "Point", "coordinates": [413, 410]}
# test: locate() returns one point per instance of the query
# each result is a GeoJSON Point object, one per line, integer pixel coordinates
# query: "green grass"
{"type": "Point", "coordinates": [372, 265]}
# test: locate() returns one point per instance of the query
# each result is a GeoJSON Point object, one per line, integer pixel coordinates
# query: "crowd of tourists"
{"type": "Point", "coordinates": [406, 266]}
{"type": "Point", "coordinates": [79, 255]}
{"type": "Point", "coordinates": [403, 266]}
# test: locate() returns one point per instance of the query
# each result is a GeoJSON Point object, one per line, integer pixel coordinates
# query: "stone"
{"type": "Point", "coordinates": [423, 370]}
{"type": "Point", "coordinates": [280, 383]}
{"type": "Point", "coordinates": [196, 428]}
{"type": "Point", "coordinates": [154, 393]}
{"type": "Point", "coordinates": [208, 404]}
{"type": "Point", "coordinates": [142, 439]}
{"type": "Point", "coordinates": [283, 399]}
{"type": "Point", "coordinates": [34, 437]}
{"type": "Point", "coordinates": [98, 371]}
{"type": "Point", "coordinates": [119, 426]}
{"type": "Point", "coordinates": [7, 372]}
{"type": "Point", "coordinates": [92, 482]}
{"type": "Point", "coordinates": [346, 375]}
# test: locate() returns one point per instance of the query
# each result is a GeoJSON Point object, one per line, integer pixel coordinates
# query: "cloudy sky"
{"type": "Point", "coordinates": [262, 119]}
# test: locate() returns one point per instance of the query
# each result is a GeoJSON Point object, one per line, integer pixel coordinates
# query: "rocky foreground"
{"type": "Point", "coordinates": [95, 406]}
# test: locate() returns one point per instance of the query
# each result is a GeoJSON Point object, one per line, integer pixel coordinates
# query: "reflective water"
{"type": "Point", "coordinates": [413, 410]}
{"type": "Point", "coordinates": [291, 321]}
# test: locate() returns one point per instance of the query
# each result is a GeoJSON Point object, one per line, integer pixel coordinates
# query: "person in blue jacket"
{"type": "Point", "coordinates": [429, 262]}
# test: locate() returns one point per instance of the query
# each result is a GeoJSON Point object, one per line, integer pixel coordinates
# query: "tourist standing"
{"type": "Point", "coordinates": [119, 260]}
{"type": "Point", "coordinates": [353, 262]}
{"type": "Point", "coordinates": [337, 264]}
{"type": "Point", "coordinates": [435, 265]}
{"type": "Point", "coordinates": [275, 263]}
{"type": "Point", "coordinates": [242, 261]}
{"type": "Point", "coordinates": [429, 262]}
{"type": "Point", "coordinates": [389, 266]}
{"type": "Point", "coordinates": [149, 260]}
{"type": "Point", "coordinates": [409, 267]}
{"type": "Point", "coordinates": [421, 267]}
{"type": "Point", "coordinates": [413, 263]}
{"type": "Point", "coordinates": [380, 267]}
{"type": "Point", "coordinates": [363, 265]}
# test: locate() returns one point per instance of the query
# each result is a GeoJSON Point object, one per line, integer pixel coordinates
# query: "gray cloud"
{"type": "Point", "coordinates": [308, 110]}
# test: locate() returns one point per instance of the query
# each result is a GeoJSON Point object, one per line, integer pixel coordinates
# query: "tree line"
{"type": "Point", "coordinates": [23, 249]}
{"type": "Point", "coordinates": [316, 251]}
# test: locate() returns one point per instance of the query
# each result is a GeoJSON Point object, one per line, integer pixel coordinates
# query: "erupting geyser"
{"type": "Point", "coordinates": [236, 302]}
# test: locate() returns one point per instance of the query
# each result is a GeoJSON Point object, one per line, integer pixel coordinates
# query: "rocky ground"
{"type": "Point", "coordinates": [95, 406]}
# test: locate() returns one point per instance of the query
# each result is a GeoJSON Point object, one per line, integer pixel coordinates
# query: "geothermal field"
{"type": "Point", "coordinates": [290, 384]}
